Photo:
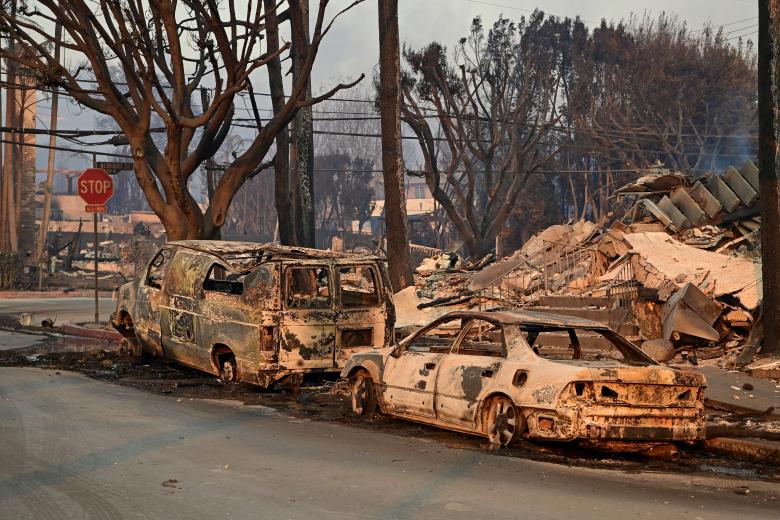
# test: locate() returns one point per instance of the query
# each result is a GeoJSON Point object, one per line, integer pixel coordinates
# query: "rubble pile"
{"type": "Point", "coordinates": [689, 279]}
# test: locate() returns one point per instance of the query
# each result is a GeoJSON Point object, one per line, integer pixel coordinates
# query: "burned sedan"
{"type": "Point", "coordinates": [254, 312]}
{"type": "Point", "coordinates": [507, 374]}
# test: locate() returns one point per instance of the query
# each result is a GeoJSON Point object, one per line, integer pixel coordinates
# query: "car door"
{"type": "Point", "coordinates": [149, 299]}
{"type": "Point", "coordinates": [180, 317]}
{"type": "Point", "coordinates": [362, 310]}
{"type": "Point", "coordinates": [469, 372]}
{"type": "Point", "coordinates": [409, 378]}
{"type": "Point", "coordinates": [308, 321]}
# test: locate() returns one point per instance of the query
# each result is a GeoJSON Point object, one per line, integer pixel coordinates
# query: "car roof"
{"type": "Point", "coordinates": [227, 249]}
{"type": "Point", "coordinates": [526, 317]}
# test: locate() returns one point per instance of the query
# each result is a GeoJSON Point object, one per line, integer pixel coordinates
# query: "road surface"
{"type": "Point", "coordinates": [62, 310]}
{"type": "Point", "coordinates": [73, 447]}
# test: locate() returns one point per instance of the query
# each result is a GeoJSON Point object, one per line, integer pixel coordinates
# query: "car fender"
{"type": "Point", "coordinates": [371, 361]}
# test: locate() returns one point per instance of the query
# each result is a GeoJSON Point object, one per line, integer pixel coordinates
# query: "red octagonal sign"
{"type": "Point", "coordinates": [96, 187]}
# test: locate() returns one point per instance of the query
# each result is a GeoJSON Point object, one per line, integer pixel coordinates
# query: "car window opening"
{"type": "Point", "coordinates": [482, 338]}
{"type": "Point", "coordinates": [259, 283]}
{"type": "Point", "coordinates": [353, 338]}
{"type": "Point", "coordinates": [569, 343]}
{"type": "Point", "coordinates": [357, 286]}
{"type": "Point", "coordinates": [158, 268]}
{"type": "Point", "coordinates": [438, 340]}
{"type": "Point", "coordinates": [221, 280]}
{"type": "Point", "coordinates": [307, 287]}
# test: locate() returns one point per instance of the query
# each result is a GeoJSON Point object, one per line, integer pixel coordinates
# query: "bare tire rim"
{"type": "Point", "coordinates": [359, 395]}
{"type": "Point", "coordinates": [503, 422]}
{"type": "Point", "coordinates": [228, 372]}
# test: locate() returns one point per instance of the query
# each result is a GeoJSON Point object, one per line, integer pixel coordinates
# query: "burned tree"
{"type": "Point", "coordinates": [393, 168]}
{"type": "Point", "coordinates": [496, 108]}
{"type": "Point", "coordinates": [166, 50]}
{"type": "Point", "coordinates": [658, 92]}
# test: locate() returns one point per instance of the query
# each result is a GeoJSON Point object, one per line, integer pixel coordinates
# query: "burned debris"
{"type": "Point", "coordinates": [679, 274]}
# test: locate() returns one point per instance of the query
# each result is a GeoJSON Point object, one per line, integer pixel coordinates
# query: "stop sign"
{"type": "Point", "coordinates": [96, 187]}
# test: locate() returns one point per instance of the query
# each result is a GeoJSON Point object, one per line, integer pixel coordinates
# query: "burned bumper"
{"type": "Point", "coordinates": [624, 423]}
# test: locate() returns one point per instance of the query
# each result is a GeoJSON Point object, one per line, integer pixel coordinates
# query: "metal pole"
{"type": "Point", "coordinates": [97, 252]}
{"type": "Point", "coordinates": [97, 249]}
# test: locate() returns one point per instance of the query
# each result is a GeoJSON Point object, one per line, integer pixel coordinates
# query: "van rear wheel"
{"type": "Point", "coordinates": [228, 371]}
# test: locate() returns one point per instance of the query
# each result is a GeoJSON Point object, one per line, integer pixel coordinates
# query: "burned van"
{"type": "Point", "coordinates": [257, 312]}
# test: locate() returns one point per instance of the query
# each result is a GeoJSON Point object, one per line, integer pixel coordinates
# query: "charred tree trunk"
{"type": "Point", "coordinates": [25, 170]}
{"type": "Point", "coordinates": [392, 152]}
{"type": "Point", "coordinates": [302, 146]}
{"type": "Point", "coordinates": [282, 196]}
{"type": "Point", "coordinates": [768, 101]}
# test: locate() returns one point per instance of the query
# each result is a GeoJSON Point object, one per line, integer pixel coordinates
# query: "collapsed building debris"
{"type": "Point", "coordinates": [679, 275]}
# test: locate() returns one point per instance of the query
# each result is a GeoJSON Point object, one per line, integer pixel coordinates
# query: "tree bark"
{"type": "Point", "coordinates": [302, 146]}
{"type": "Point", "coordinates": [282, 196]}
{"type": "Point", "coordinates": [392, 153]}
{"type": "Point", "coordinates": [768, 100]}
{"type": "Point", "coordinates": [25, 169]}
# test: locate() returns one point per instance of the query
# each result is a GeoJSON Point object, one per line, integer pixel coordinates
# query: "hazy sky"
{"type": "Point", "coordinates": [351, 47]}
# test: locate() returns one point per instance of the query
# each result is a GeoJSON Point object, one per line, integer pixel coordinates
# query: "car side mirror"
{"type": "Point", "coordinates": [397, 351]}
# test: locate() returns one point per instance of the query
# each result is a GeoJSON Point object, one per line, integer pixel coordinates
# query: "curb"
{"type": "Point", "coordinates": [83, 332]}
{"type": "Point", "coordinates": [9, 295]}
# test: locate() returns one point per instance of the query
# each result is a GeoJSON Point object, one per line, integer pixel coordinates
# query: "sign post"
{"type": "Point", "coordinates": [96, 188]}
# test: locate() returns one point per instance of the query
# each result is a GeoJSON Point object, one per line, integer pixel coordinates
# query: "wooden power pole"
{"type": "Point", "coordinates": [392, 153]}
{"type": "Point", "coordinates": [47, 193]}
{"type": "Point", "coordinates": [768, 122]}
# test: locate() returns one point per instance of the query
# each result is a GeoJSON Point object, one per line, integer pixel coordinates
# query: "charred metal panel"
{"type": "Point", "coordinates": [690, 314]}
{"type": "Point", "coordinates": [409, 383]}
{"type": "Point", "coordinates": [463, 381]}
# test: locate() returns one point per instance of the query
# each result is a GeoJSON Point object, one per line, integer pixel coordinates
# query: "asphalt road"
{"type": "Point", "coordinates": [72, 447]}
{"type": "Point", "coordinates": [62, 310]}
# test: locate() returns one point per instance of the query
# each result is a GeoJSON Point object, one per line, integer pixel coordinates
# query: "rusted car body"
{"type": "Point", "coordinates": [254, 312]}
{"type": "Point", "coordinates": [507, 374]}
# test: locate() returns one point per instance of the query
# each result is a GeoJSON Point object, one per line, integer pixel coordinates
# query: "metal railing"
{"type": "Point", "coordinates": [542, 274]}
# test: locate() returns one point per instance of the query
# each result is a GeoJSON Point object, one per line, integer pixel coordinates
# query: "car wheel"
{"type": "Point", "coordinates": [503, 421]}
{"type": "Point", "coordinates": [228, 372]}
{"type": "Point", "coordinates": [363, 394]}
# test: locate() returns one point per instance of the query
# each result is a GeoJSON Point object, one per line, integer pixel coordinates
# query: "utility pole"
{"type": "Point", "coordinates": [769, 80]}
{"type": "Point", "coordinates": [302, 145]}
{"type": "Point", "coordinates": [47, 193]}
{"type": "Point", "coordinates": [8, 215]}
{"type": "Point", "coordinates": [211, 166]}
{"type": "Point", "coordinates": [393, 169]}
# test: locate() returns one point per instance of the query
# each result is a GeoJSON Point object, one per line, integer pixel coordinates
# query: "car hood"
{"type": "Point", "coordinates": [616, 372]}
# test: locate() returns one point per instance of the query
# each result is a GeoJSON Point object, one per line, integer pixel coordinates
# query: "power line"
{"type": "Point", "coordinates": [513, 8]}
{"type": "Point", "coordinates": [735, 22]}
{"type": "Point", "coordinates": [63, 149]}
